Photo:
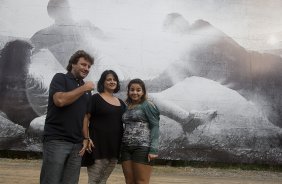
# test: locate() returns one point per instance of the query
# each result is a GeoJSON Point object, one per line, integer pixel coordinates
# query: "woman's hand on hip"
{"type": "Point", "coordinates": [152, 157]}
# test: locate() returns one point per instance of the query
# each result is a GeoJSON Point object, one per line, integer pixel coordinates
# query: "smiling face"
{"type": "Point", "coordinates": [135, 93]}
{"type": "Point", "coordinates": [110, 83]}
{"type": "Point", "coordinates": [81, 69]}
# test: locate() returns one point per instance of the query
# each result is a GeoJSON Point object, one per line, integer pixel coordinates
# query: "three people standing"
{"type": "Point", "coordinates": [72, 111]}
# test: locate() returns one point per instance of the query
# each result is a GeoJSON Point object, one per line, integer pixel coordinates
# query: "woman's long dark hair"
{"type": "Point", "coordinates": [100, 87]}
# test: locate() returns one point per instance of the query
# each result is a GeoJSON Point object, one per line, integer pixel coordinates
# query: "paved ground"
{"type": "Point", "coordinates": [19, 171]}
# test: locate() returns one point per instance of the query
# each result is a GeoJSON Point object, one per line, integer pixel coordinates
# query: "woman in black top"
{"type": "Point", "coordinates": [105, 121]}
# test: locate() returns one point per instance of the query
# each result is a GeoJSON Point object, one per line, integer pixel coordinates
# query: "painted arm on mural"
{"type": "Point", "coordinates": [188, 120]}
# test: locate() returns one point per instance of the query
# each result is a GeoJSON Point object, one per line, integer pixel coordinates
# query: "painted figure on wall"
{"type": "Point", "coordinates": [14, 64]}
{"type": "Point", "coordinates": [66, 35]}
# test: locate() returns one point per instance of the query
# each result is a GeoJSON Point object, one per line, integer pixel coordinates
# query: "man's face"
{"type": "Point", "coordinates": [81, 69]}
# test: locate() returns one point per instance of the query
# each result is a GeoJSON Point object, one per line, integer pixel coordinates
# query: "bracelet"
{"type": "Point", "coordinates": [88, 138]}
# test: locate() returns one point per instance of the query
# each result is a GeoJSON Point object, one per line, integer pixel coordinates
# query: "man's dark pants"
{"type": "Point", "coordinates": [61, 162]}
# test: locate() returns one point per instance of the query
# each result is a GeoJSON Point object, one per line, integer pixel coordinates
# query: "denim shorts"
{"type": "Point", "coordinates": [138, 154]}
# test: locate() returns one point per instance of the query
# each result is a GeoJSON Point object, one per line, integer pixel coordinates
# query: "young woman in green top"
{"type": "Point", "coordinates": [140, 136]}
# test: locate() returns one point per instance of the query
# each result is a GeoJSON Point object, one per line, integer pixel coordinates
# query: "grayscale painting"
{"type": "Point", "coordinates": [213, 67]}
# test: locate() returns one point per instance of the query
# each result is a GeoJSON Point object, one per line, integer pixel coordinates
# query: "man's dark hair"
{"type": "Point", "coordinates": [100, 86]}
{"type": "Point", "coordinates": [75, 57]}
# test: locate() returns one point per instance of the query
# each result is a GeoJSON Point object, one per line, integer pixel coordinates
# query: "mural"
{"type": "Point", "coordinates": [213, 67]}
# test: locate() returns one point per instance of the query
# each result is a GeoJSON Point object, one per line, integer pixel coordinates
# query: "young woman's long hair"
{"type": "Point", "coordinates": [142, 84]}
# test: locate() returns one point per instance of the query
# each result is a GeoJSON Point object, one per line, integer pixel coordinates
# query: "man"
{"type": "Point", "coordinates": [63, 140]}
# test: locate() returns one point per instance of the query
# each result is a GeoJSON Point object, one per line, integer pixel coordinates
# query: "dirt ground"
{"type": "Point", "coordinates": [20, 171]}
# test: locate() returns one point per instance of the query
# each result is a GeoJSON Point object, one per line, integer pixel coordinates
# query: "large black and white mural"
{"type": "Point", "coordinates": [213, 67]}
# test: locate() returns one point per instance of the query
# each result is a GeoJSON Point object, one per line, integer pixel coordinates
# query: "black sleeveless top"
{"type": "Point", "coordinates": [106, 127]}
